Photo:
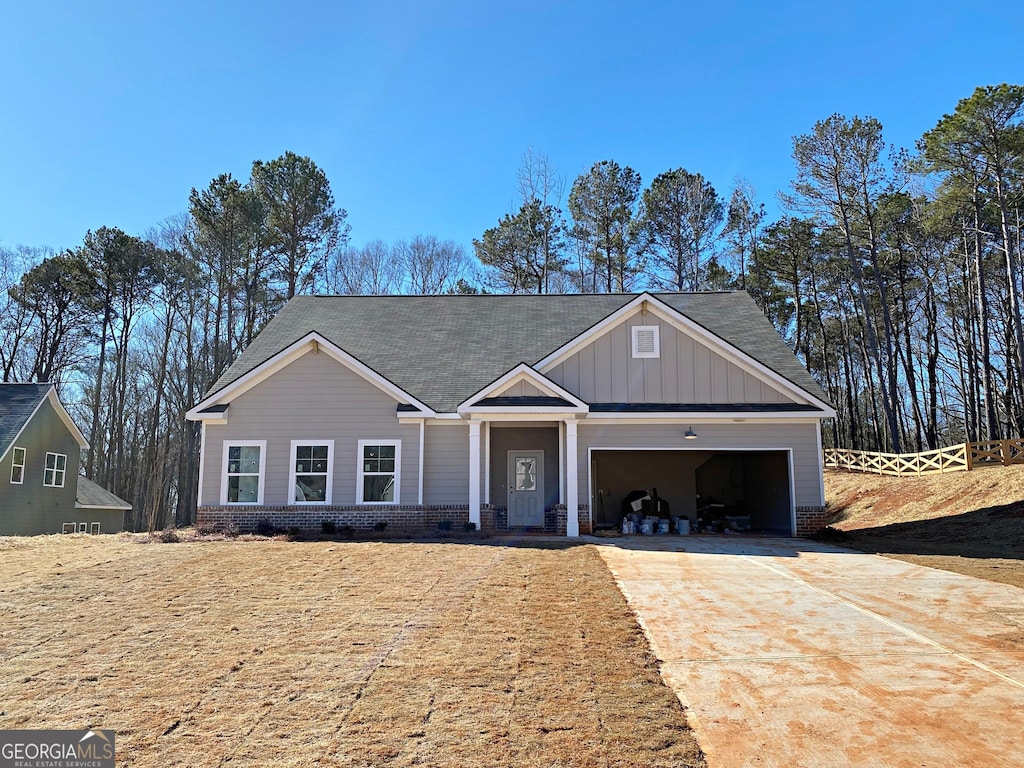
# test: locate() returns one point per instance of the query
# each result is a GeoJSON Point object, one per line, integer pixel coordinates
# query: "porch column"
{"type": "Point", "coordinates": [572, 486]}
{"type": "Point", "coordinates": [474, 472]}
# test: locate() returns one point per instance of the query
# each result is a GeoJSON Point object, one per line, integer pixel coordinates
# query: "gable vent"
{"type": "Point", "coordinates": [646, 342]}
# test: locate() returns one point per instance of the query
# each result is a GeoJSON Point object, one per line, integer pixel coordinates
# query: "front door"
{"type": "Point", "coordinates": [525, 488]}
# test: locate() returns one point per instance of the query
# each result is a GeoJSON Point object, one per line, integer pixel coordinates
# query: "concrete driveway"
{"type": "Point", "coordinates": [793, 653]}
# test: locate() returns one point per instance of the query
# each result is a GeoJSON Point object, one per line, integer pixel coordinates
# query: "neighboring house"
{"type": "Point", "coordinates": [535, 412]}
{"type": "Point", "coordinates": [40, 452]}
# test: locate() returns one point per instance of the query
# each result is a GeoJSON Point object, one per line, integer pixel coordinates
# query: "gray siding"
{"type": "Point", "coordinates": [313, 398]}
{"type": "Point", "coordinates": [521, 389]}
{"type": "Point", "coordinates": [446, 464]}
{"type": "Point", "coordinates": [749, 436]}
{"type": "Point", "coordinates": [605, 371]}
{"type": "Point", "coordinates": [32, 508]}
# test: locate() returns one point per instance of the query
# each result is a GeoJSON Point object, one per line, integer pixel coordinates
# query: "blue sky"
{"type": "Point", "coordinates": [419, 112]}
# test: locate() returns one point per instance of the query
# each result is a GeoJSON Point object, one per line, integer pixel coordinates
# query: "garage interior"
{"type": "Point", "coordinates": [710, 485]}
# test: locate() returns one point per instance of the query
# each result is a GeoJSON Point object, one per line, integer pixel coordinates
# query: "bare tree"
{"type": "Point", "coordinates": [430, 265]}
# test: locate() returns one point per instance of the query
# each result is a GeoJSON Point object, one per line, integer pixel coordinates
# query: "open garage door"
{"type": "Point", "coordinates": [715, 484]}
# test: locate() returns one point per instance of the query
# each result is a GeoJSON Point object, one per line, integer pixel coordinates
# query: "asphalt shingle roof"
{"type": "Point", "coordinates": [442, 349]}
{"type": "Point", "coordinates": [17, 403]}
{"type": "Point", "coordinates": [91, 495]}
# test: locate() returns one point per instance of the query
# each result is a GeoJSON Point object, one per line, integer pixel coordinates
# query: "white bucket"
{"type": "Point", "coordinates": [663, 525]}
{"type": "Point", "coordinates": [683, 526]}
{"type": "Point", "coordinates": [647, 527]}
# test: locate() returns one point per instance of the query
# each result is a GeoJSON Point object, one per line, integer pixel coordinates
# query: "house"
{"type": "Point", "coordinates": [534, 412]}
{"type": "Point", "coordinates": [40, 452]}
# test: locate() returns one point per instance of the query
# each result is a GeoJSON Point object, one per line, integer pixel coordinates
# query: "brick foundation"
{"type": "Point", "coordinates": [555, 521]}
{"type": "Point", "coordinates": [362, 517]}
{"type": "Point", "coordinates": [810, 520]}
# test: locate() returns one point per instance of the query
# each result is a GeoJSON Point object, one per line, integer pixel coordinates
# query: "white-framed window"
{"type": "Point", "coordinates": [380, 472]}
{"type": "Point", "coordinates": [56, 468]}
{"type": "Point", "coordinates": [646, 341]}
{"type": "Point", "coordinates": [244, 466]}
{"type": "Point", "coordinates": [312, 471]}
{"type": "Point", "coordinates": [17, 465]}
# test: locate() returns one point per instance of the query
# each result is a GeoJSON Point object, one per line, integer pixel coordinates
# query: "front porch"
{"type": "Point", "coordinates": [526, 474]}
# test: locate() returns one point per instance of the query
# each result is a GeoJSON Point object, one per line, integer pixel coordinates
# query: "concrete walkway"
{"type": "Point", "coordinates": [793, 653]}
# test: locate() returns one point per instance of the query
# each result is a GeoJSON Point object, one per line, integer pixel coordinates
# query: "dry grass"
{"type": "Point", "coordinates": [966, 522]}
{"type": "Point", "coordinates": [332, 654]}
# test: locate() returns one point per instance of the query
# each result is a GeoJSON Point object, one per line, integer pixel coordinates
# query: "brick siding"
{"type": "Point", "coordinates": [810, 520]}
{"type": "Point", "coordinates": [245, 519]}
{"type": "Point", "coordinates": [362, 517]}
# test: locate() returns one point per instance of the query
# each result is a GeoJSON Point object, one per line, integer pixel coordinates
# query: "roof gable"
{"type": "Point", "coordinates": [216, 406]}
{"type": "Point", "coordinates": [20, 402]}
{"type": "Point", "coordinates": [693, 365]}
{"type": "Point", "coordinates": [500, 394]}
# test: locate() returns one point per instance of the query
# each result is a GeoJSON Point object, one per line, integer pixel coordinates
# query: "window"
{"type": "Point", "coordinates": [243, 472]}
{"type": "Point", "coordinates": [312, 470]}
{"type": "Point", "coordinates": [380, 463]}
{"type": "Point", "coordinates": [94, 528]}
{"type": "Point", "coordinates": [18, 465]}
{"type": "Point", "coordinates": [56, 466]}
{"type": "Point", "coordinates": [646, 341]}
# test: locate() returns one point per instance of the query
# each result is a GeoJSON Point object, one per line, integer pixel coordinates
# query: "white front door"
{"type": "Point", "coordinates": [525, 488]}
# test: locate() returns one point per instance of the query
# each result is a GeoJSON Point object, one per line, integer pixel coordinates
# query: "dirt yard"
{"type": "Point", "coordinates": [967, 522]}
{"type": "Point", "coordinates": [332, 654]}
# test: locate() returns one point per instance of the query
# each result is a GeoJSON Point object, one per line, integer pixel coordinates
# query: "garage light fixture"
{"type": "Point", "coordinates": [690, 434]}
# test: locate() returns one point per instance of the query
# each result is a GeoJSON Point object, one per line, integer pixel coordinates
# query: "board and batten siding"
{"type": "Point", "coordinates": [31, 508]}
{"type": "Point", "coordinates": [313, 398]}
{"type": "Point", "coordinates": [446, 463]}
{"type": "Point", "coordinates": [687, 371]}
{"type": "Point", "coordinates": [521, 389]}
{"type": "Point", "coordinates": [799, 437]}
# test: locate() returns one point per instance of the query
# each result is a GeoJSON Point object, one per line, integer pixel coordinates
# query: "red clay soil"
{"type": "Point", "coordinates": [967, 522]}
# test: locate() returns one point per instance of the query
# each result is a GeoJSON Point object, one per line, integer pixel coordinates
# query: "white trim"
{"type": "Point", "coordinates": [525, 413]}
{"type": "Point", "coordinates": [202, 462]}
{"type": "Point", "coordinates": [561, 462]}
{"type": "Point", "coordinates": [487, 461]}
{"type": "Point", "coordinates": [293, 473]}
{"type": "Point", "coordinates": [79, 505]}
{"type": "Point", "coordinates": [261, 488]}
{"type": "Point", "coordinates": [419, 480]}
{"type": "Point", "coordinates": [48, 468]}
{"type": "Point", "coordinates": [523, 372]}
{"type": "Point", "coordinates": [682, 323]}
{"type": "Point", "coordinates": [309, 343]}
{"type": "Point", "coordinates": [62, 413]}
{"type": "Point", "coordinates": [474, 472]}
{"type": "Point", "coordinates": [24, 460]}
{"type": "Point", "coordinates": [672, 417]}
{"type": "Point", "coordinates": [788, 450]}
{"type": "Point", "coordinates": [572, 511]}
{"type": "Point", "coordinates": [821, 463]}
{"type": "Point", "coordinates": [639, 354]}
{"type": "Point", "coordinates": [397, 443]}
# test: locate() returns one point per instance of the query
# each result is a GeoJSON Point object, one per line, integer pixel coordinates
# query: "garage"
{"type": "Point", "coordinates": [706, 484]}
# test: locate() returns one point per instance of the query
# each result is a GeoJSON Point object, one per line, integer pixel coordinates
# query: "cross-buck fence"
{"type": "Point", "coordinates": [956, 458]}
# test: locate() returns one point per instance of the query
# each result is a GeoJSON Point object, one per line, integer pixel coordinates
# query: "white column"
{"type": "Point", "coordinates": [474, 472]}
{"type": "Point", "coordinates": [572, 486]}
{"type": "Point", "coordinates": [561, 462]}
{"type": "Point", "coordinates": [487, 462]}
{"type": "Point", "coordinates": [419, 488]}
